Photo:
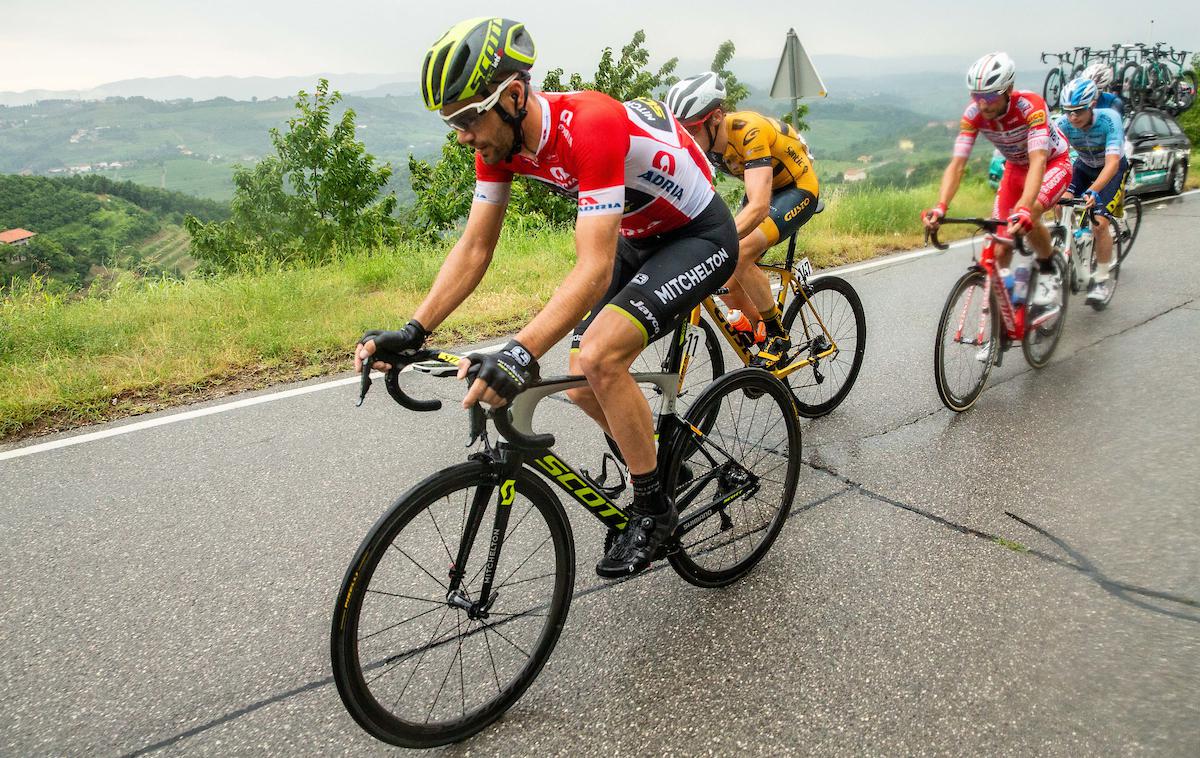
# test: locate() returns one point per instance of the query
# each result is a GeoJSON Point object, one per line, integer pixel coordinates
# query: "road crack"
{"type": "Point", "coordinates": [1079, 562]}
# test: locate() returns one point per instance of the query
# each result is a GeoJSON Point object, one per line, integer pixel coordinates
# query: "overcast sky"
{"type": "Point", "coordinates": [76, 44]}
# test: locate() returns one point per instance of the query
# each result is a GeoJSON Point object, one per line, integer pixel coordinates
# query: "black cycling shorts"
{"type": "Point", "coordinates": [791, 207]}
{"type": "Point", "coordinates": [658, 280]}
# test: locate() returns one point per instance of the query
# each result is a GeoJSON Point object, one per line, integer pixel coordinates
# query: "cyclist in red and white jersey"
{"type": "Point", "coordinates": [652, 239]}
{"type": "Point", "coordinates": [1038, 169]}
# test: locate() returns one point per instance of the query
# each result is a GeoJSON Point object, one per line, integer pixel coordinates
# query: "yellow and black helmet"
{"type": "Point", "coordinates": [470, 56]}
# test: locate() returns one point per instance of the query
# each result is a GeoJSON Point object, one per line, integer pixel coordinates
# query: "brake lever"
{"type": "Point", "coordinates": [364, 383]}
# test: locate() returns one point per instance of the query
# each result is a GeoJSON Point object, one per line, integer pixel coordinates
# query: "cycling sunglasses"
{"type": "Point", "coordinates": [465, 117]}
{"type": "Point", "coordinates": [987, 97]}
{"type": "Point", "coordinates": [1077, 111]}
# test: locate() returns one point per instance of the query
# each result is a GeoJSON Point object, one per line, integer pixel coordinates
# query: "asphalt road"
{"type": "Point", "coordinates": [1020, 579]}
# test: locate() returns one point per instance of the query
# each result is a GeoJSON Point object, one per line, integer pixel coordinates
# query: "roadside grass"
{"type": "Point", "coordinates": [142, 345]}
{"type": "Point", "coordinates": [1193, 179]}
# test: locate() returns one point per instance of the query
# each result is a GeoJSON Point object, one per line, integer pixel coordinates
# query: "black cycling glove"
{"type": "Point", "coordinates": [390, 346]}
{"type": "Point", "coordinates": [508, 371]}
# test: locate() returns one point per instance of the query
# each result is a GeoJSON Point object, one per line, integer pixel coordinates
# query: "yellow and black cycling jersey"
{"type": "Point", "coordinates": [757, 140]}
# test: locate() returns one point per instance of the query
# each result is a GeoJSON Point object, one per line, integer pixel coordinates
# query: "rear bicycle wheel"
{"type": "Point", "coordinates": [411, 664]}
{"type": "Point", "coordinates": [967, 342]}
{"type": "Point", "coordinates": [1043, 324]}
{"type": "Point", "coordinates": [738, 480]}
{"type": "Point", "coordinates": [829, 314]}
{"type": "Point", "coordinates": [1128, 226]}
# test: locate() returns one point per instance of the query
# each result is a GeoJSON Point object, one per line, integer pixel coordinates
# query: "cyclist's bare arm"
{"type": "Point", "coordinates": [464, 266]}
{"type": "Point", "coordinates": [951, 178]}
{"type": "Point", "coordinates": [1112, 164]}
{"type": "Point", "coordinates": [1033, 179]}
{"type": "Point", "coordinates": [595, 251]}
{"type": "Point", "coordinates": [758, 199]}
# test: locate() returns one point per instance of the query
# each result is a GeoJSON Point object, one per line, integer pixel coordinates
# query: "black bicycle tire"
{"type": "Point", "coordinates": [735, 383]}
{"type": "Point", "coordinates": [1132, 203]}
{"type": "Point", "coordinates": [716, 359]}
{"type": "Point", "coordinates": [956, 403]}
{"type": "Point", "coordinates": [846, 290]}
{"type": "Point", "coordinates": [1026, 344]}
{"type": "Point", "coordinates": [1054, 73]}
{"type": "Point", "coordinates": [375, 719]}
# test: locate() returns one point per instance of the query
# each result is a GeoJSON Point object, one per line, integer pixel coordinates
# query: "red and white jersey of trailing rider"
{"type": "Point", "coordinates": [630, 158]}
{"type": "Point", "coordinates": [1024, 127]}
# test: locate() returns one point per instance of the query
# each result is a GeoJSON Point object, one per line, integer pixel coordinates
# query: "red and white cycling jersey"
{"type": "Point", "coordinates": [1022, 128]}
{"type": "Point", "coordinates": [630, 158]}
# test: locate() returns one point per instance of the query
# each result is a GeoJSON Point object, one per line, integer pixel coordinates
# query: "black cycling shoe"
{"type": "Point", "coordinates": [638, 544]}
{"type": "Point", "coordinates": [774, 355]}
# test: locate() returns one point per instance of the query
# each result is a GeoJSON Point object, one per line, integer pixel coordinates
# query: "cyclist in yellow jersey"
{"type": "Point", "coordinates": [781, 191]}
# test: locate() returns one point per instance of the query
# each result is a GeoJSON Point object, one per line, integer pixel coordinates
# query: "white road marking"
{"type": "Point", "coordinates": [138, 426]}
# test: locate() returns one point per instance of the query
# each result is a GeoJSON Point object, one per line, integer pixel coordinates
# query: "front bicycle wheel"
{"type": "Point", "coordinates": [1052, 89]}
{"type": "Point", "coordinates": [417, 663]}
{"type": "Point", "coordinates": [1128, 226]}
{"type": "Point", "coordinates": [1043, 324]}
{"type": "Point", "coordinates": [829, 314]}
{"type": "Point", "coordinates": [734, 484]}
{"type": "Point", "coordinates": [967, 343]}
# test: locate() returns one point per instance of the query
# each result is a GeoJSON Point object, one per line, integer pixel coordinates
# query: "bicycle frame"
{"type": "Point", "coordinates": [789, 280]}
{"type": "Point", "coordinates": [1012, 318]}
{"type": "Point", "coordinates": [526, 447]}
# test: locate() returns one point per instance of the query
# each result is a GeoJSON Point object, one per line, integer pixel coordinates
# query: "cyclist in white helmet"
{"type": "Point", "coordinates": [773, 161]}
{"type": "Point", "coordinates": [1038, 166]}
{"type": "Point", "coordinates": [1102, 75]}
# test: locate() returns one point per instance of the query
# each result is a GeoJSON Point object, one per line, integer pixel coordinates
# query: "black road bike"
{"type": "Point", "coordinates": [457, 595]}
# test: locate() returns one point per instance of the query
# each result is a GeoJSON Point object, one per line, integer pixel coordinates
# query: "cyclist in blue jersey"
{"type": "Point", "coordinates": [1098, 174]}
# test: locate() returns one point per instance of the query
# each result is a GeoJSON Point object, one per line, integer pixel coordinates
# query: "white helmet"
{"type": "Point", "coordinates": [1099, 73]}
{"type": "Point", "coordinates": [694, 98]}
{"type": "Point", "coordinates": [993, 72]}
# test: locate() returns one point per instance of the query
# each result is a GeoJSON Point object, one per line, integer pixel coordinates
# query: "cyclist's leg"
{"type": "Point", "coordinates": [681, 269]}
{"type": "Point", "coordinates": [790, 208]}
{"type": "Point", "coordinates": [625, 267]}
{"type": "Point", "coordinates": [1054, 182]}
{"type": "Point", "coordinates": [1112, 197]}
{"type": "Point", "coordinates": [1011, 186]}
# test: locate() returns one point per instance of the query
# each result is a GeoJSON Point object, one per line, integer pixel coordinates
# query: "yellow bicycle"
{"type": "Point", "coordinates": [824, 317]}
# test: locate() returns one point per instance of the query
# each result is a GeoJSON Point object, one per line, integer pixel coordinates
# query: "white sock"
{"type": "Point", "coordinates": [1102, 272]}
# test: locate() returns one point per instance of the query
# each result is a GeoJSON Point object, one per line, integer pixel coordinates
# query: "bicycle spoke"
{"type": "Point", "coordinates": [401, 623]}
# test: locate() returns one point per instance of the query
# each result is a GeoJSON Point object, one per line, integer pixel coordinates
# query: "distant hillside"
{"type": "Point", "coordinates": [192, 146]}
{"type": "Point", "coordinates": [209, 87]}
{"type": "Point", "coordinates": [89, 227]}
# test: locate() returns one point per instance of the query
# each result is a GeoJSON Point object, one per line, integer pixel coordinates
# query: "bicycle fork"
{"type": "Point", "coordinates": [502, 485]}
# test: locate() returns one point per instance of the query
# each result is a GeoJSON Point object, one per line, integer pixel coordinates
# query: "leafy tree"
{"type": "Point", "coordinates": [1189, 120]}
{"type": "Point", "coordinates": [735, 91]}
{"type": "Point", "coordinates": [319, 193]}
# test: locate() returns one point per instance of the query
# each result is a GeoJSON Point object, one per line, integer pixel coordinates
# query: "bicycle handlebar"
{"type": "Point", "coordinates": [989, 225]}
{"type": "Point", "coordinates": [501, 417]}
